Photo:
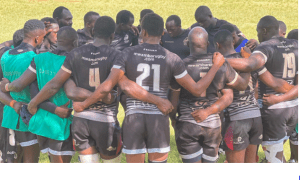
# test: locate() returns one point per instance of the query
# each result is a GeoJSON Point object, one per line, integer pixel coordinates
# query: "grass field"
{"type": "Point", "coordinates": [245, 14]}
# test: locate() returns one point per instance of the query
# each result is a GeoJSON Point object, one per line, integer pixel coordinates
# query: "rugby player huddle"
{"type": "Point", "coordinates": [205, 78]}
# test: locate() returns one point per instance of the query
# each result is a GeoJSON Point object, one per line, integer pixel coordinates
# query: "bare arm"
{"type": "Point", "coordinates": [226, 99]}
{"type": "Point", "coordinates": [174, 98]}
{"type": "Point", "coordinates": [241, 82]}
{"type": "Point", "coordinates": [277, 84]}
{"type": "Point", "coordinates": [49, 90]}
{"type": "Point", "coordinates": [7, 43]}
{"type": "Point", "coordinates": [198, 88]}
{"type": "Point", "coordinates": [19, 84]}
{"type": "Point", "coordinates": [254, 62]}
{"type": "Point", "coordinates": [6, 99]}
{"type": "Point", "coordinates": [270, 99]}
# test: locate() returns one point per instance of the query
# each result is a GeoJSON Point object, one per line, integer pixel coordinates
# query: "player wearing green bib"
{"type": "Point", "coordinates": [13, 63]}
{"type": "Point", "coordinates": [53, 129]}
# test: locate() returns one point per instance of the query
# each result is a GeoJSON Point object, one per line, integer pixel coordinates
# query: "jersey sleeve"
{"type": "Point", "coordinates": [231, 74]}
{"type": "Point", "coordinates": [264, 50]}
{"type": "Point", "coordinates": [67, 66]}
{"type": "Point", "coordinates": [120, 61]}
{"type": "Point", "coordinates": [178, 66]}
{"type": "Point", "coordinates": [32, 66]}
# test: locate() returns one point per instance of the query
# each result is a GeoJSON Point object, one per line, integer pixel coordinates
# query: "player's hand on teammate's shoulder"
{"type": "Point", "coordinates": [17, 106]}
{"type": "Point", "coordinates": [245, 52]}
{"type": "Point", "coordinates": [252, 44]}
{"type": "Point", "coordinates": [78, 106]}
{"type": "Point", "coordinates": [200, 115]}
{"type": "Point", "coordinates": [3, 83]}
{"type": "Point", "coordinates": [270, 99]}
{"type": "Point", "coordinates": [218, 59]}
{"type": "Point", "coordinates": [165, 106]}
{"type": "Point", "coordinates": [63, 111]}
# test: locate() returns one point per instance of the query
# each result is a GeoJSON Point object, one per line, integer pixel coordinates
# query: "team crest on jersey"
{"type": "Point", "coordinates": [126, 37]}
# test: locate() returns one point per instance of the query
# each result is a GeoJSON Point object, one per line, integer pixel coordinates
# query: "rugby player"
{"type": "Point", "coordinates": [280, 57]}
{"type": "Point", "coordinates": [243, 126]}
{"type": "Point", "coordinates": [63, 16]}
{"type": "Point", "coordinates": [96, 129]}
{"type": "Point", "coordinates": [85, 35]}
{"type": "Point", "coordinates": [124, 35]}
{"type": "Point", "coordinates": [282, 29]}
{"type": "Point", "coordinates": [239, 41]}
{"type": "Point", "coordinates": [18, 60]}
{"type": "Point", "coordinates": [142, 14]}
{"type": "Point", "coordinates": [200, 143]}
{"type": "Point", "coordinates": [173, 40]}
{"type": "Point", "coordinates": [53, 130]}
{"type": "Point", "coordinates": [51, 37]}
{"type": "Point", "coordinates": [270, 99]}
{"type": "Point", "coordinates": [7, 143]}
{"type": "Point", "coordinates": [151, 133]}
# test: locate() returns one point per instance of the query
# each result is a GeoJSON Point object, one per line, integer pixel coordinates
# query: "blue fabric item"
{"type": "Point", "coordinates": [25, 114]}
{"type": "Point", "coordinates": [243, 43]}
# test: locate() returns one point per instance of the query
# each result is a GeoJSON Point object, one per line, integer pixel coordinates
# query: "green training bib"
{"type": "Point", "coordinates": [44, 123]}
{"type": "Point", "coordinates": [13, 66]}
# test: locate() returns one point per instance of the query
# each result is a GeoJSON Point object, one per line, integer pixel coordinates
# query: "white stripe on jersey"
{"type": "Point", "coordinates": [234, 80]}
{"type": "Point", "coordinates": [181, 75]}
{"type": "Point", "coordinates": [65, 69]}
{"type": "Point", "coordinates": [262, 71]}
{"type": "Point", "coordinates": [117, 67]}
{"type": "Point", "coordinates": [32, 69]}
{"type": "Point", "coordinates": [259, 52]}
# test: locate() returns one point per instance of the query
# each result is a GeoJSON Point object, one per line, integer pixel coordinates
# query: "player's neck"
{"type": "Point", "coordinates": [29, 41]}
{"type": "Point", "coordinates": [100, 41]}
{"type": "Point", "coordinates": [118, 29]}
{"type": "Point", "coordinates": [198, 51]}
{"type": "Point", "coordinates": [152, 40]}
{"type": "Point", "coordinates": [64, 48]}
{"type": "Point", "coordinates": [46, 44]}
{"type": "Point", "coordinates": [226, 52]}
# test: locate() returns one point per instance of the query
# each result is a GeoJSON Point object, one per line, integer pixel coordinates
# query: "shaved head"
{"type": "Point", "coordinates": [267, 27]}
{"type": "Point", "coordinates": [282, 28]}
{"type": "Point", "coordinates": [198, 38]}
{"type": "Point", "coordinates": [202, 11]}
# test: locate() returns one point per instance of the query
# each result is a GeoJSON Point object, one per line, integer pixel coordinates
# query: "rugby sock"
{"type": "Point", "coordinates": [165, 161]}
{"type": "Point", "coordinates": [91, 158]}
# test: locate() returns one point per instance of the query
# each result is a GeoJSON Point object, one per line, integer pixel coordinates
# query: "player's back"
{"type": "Point", "coordinates": [197, 68]}
{"type": "Point", "coordinates": [244, 104]}
{"type": "Point", "coordinates": [281, 60]}
{"type": "Point", "coordinates": [152, 67]}
{"type": "Point", "coordinates": [90, 66]}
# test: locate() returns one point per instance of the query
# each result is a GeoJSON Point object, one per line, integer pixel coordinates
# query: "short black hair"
{"type": "Point", "coordinates": [124, 16]}
{"type": "Point", "coordinates": [228, 27]}
{"type": "Point", "coordinates": [88, 16]}
{"type": "Point", "coordinates": [153, 24]}
{"type": "Point", "coordinates": [67, 33]}
{"type": "Point", "coordinates": [49, 19]}
{"type": "Point", "coordinates": [32, 25]}
{"type": "Point", "coordinates": [18, 37]}
{"type": "Point", "coordinates": [282, 25]}
{"type": "Point", "coordinates": [57, 13]}
{"type": "Point", "coordinates": [269, 22]}
{"type": "Point", "coordinates": [293, 34]}
{"type": "Point", "coordinates": [144, 12]}
{"type": "Point", "coordinates": [104, 27]}
{"type": "Point", "coordinates": [174, 18]}
{"type": "Point", "coordinates": [223, 37]}
{"type": "Point", "coordinates": [202, 11]}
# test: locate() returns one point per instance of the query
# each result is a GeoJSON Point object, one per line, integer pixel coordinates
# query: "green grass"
{"type": "Point", "coordinates": [245, 14]}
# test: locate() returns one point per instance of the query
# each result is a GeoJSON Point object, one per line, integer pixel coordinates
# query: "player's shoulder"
{"type": "Point", "coordinates": [170, 55]}
{"type": "Point", "coordinates": [221, 22]}
{"type": "Point", "coordinates": [235, 55]}
{"type": "Point", "coordinates": [200, 59]}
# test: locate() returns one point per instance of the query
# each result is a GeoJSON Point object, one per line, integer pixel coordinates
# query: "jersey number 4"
{"type": "Point", "coordinates": [289, 68]}
{"type": "Point", "coordinates": [145, 68]}
{"type": "Point", "coordinates": [94, 77]}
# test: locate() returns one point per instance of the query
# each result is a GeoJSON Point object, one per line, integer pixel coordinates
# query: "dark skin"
{"type": "Point", "coordinates": [31, 153]}
{"type": "Point", "coordinates": [126, 27]}
{"type": "Point", "coordinates": [247, 155]}
{"type": "Point", "coordinates": [66, 19]}
{"type": "Point", "coordinates": [206, 21]}
{"type": "Point", "coordinates": [89, 26]}
{"type": "Point", "coordinates": [51, 37]}
{"type": "Point", "coordinates": [117, 76]}
{"type": "Point", "coordinates": [172, 29]}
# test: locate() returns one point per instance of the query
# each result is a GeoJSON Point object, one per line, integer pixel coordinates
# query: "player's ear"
{"type": "Point", "coordinates": [208, 43]}
{"type": "Point", "coordinates": [112, 37]}
{"type": "Point", "coordinates": [75, 43]}
{"type": "Point", "coordinates": [36, 39]}
{"type": "Point", "coordinates": [264, 31]}
{"type": "Point", "coordinates": [93, 32]}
